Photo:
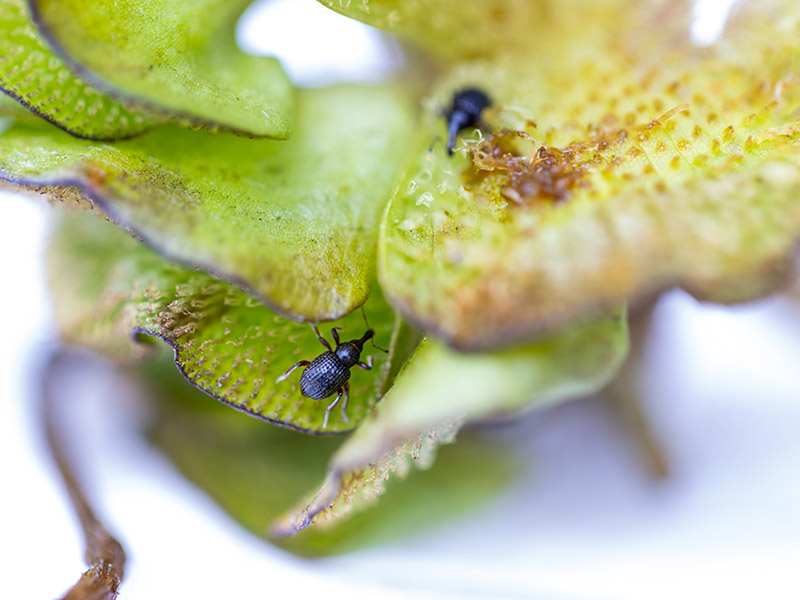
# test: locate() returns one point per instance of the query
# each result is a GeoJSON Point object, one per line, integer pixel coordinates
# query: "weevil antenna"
{"type": "Point", "coordinates": [369, 329]}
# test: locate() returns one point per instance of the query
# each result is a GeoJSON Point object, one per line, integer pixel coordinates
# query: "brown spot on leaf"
{"type": "Point", "coordinates": [548, 173]}
{"type": "Point", "coordinates": [522, 174]}
{"type": "Point", "coordinates": [96, 175]}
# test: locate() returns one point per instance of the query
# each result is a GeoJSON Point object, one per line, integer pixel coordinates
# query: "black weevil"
{"type": "Point", "coordinates": [329, 372]}
{"type": "Point", "coordinates": [465, 111]}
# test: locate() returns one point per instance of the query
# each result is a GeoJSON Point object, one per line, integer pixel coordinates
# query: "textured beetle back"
{"type": "Point", "coordinates": [323, 377]}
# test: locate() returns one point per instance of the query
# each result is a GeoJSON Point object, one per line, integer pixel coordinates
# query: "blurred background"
{"type": "Point", "coordinates": [585, 520]}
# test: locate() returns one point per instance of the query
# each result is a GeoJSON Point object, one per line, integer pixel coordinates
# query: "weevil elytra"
{"type": "Point", "coordinates": [465, 111]}
{"type": "Point", "coordinates": [330, 371]}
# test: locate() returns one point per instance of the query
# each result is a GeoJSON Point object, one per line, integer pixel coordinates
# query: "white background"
{"type": "Point", "coordinates": [584, 522]}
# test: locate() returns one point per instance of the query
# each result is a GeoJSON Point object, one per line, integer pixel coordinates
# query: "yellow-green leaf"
{"type": "Point", "coordinates": [452, 30]}
{"type": "Point", "coordinates": [631, 166]}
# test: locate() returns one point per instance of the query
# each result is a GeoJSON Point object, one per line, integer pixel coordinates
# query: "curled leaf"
{"type": "Point", "coordinates": [226, 343]}
{"type": "Point", "coordinates": [439, 391]}
{"type": "Point", "coordinates": [607, 176]}
{"type": "Point", "coordinates": [40, 80]}
{"type": "Point", "coordinates": [180, 57]}
{"type": "Point", "coordinates": [295, 222]}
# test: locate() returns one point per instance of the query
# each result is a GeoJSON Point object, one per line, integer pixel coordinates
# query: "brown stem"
{"type": "Point", "coordinates": [103, 553]}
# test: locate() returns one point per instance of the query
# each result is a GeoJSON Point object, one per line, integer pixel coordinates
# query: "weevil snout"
{"type": "Point", "coordinates": [367, 336]}
{"type": "Point", "coordinates": [465, 111]}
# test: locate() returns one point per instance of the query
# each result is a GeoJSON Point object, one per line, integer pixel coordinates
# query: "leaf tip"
{"type": "Point", "coordinates": [294, 522]}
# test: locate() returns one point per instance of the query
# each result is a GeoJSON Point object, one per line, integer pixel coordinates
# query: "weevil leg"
{"type": "Point", "coordinates": [346, 400]}
{"type": "Point", "coordinates": [374, 345]}
{"type": "Point", "coordinates": [330, 407]}
{"type": "Point", "coordinates": [322, 340]}
{"type": "Point", "coordinates": [302, 363]}
{"type": "Point", "coordinates": [366, 366]}
{"type": "Point", "coordinates": [335, 333]}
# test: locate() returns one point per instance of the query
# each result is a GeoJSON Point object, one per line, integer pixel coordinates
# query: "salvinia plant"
{"type": "Point", "coordinates": [208, 208]}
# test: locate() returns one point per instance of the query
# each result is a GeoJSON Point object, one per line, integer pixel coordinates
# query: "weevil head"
{"type": "Point", "coordinates": [350, 352]}
{"type": "Point", "coordinates": [471, 102]}
{"type": "Point", "coordinates": [468, 104]}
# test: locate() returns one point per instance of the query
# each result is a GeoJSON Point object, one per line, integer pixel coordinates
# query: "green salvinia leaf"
{"type": "Point", "coordinates": [40, 80]}
{"type": "Point", "coordinates": [440, 390]}
{"type": "Point", "coordinates": [109, 286]}
{"type": "Point", "coordinates": [255, 472]}
{"type": "Point", "coordinates": [629, 169]}
{"type": "Point", "coordinates": [177, 56]}
{"type": "Point", "coordinates": [295, 222]}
